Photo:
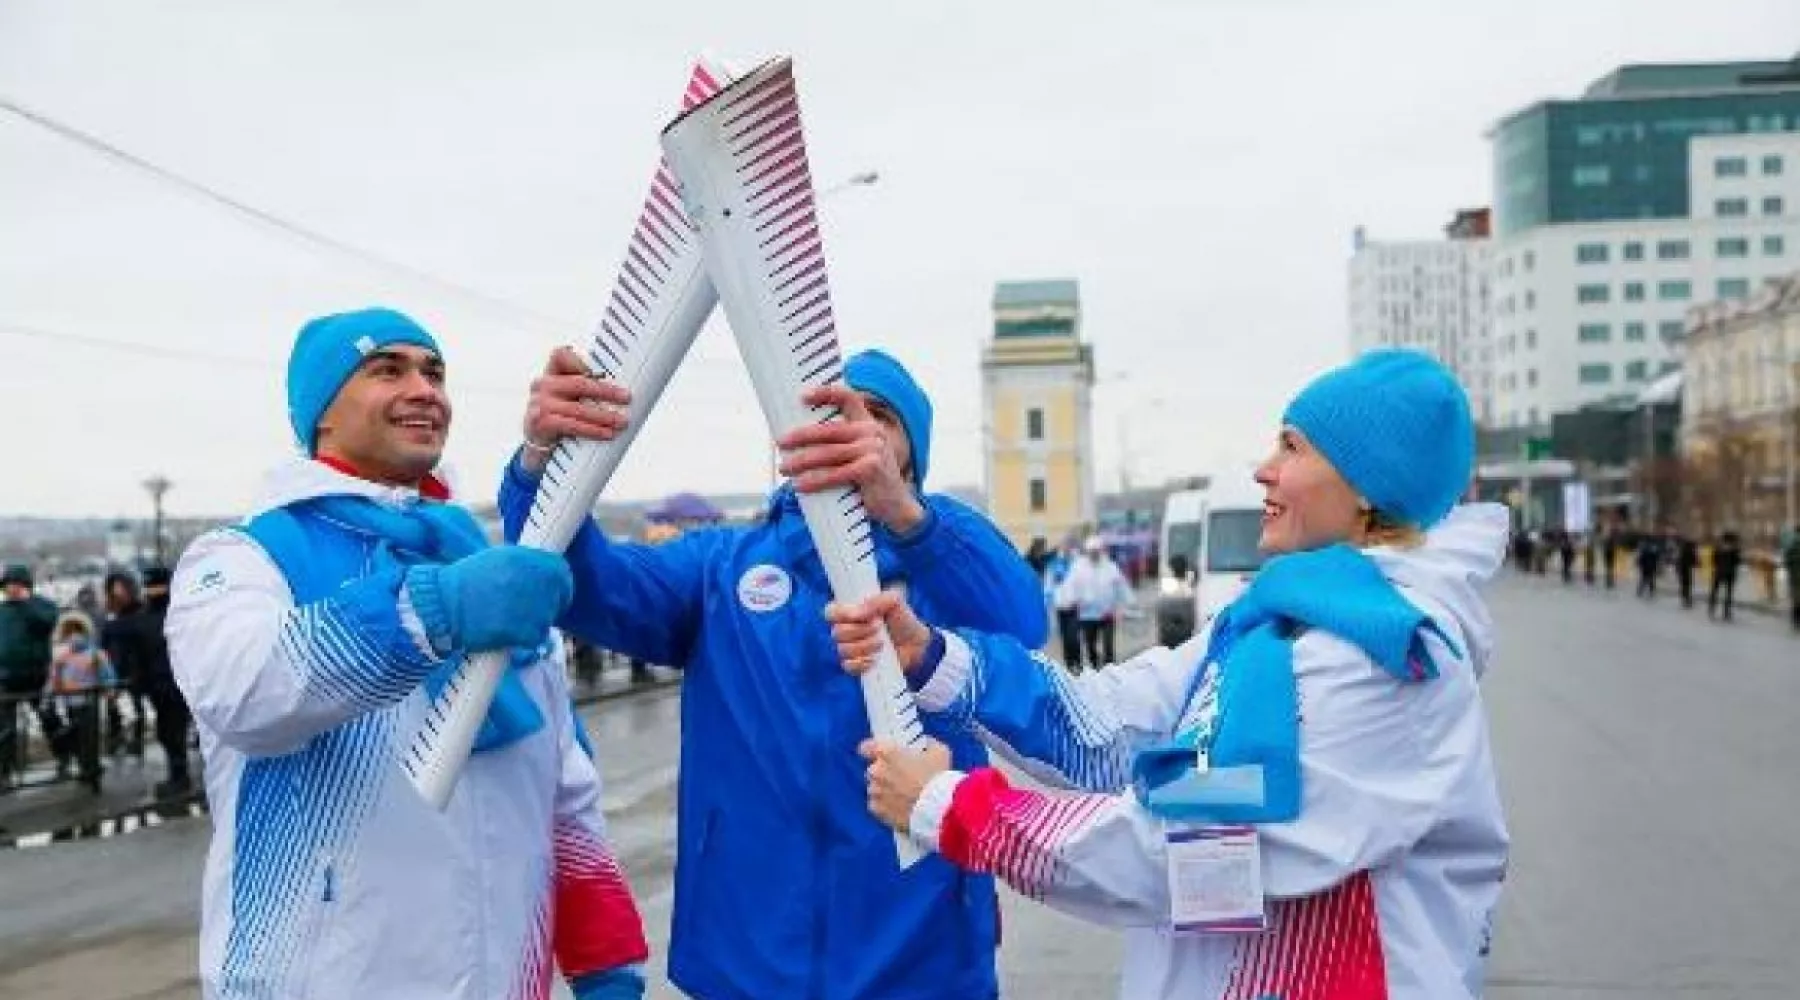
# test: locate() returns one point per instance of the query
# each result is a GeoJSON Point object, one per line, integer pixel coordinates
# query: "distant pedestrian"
{"type": "Point", "coordinates": [1068, 622]}
{"type": "Point", "coordinates": [81, 677]}
{"type": "Point", "coordinates": [26, 624]}
{"type": "Point", "coordinates": [1728, 558]}
{"type": "Point", "coordinates": [1100, 594]}
{"type": "Point", "coordinates": [1687, 557]}
{"type": "Point", "coordinates": [122, 601]}
{"type": "Point", "coordinates": [1649, 562]}
{"type": "Point", "coordinates": [1565, 552]}
{"type": "Point", "coordinates": [1609, 556]}
{"type": "Point", "coordinates": [1790, 559]}
{"type": "Point", "coordinates": [1521, 548]}
{"type": "Point", "coordinates": [87, 601]}
{"type": "Point", "coordinates": [149, 654]}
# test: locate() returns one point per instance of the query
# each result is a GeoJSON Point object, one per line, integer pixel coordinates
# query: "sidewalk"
{"type": "Point", "coordinates": [67, 810]}
{"type": "Point", "coordinates": [1746, 602]}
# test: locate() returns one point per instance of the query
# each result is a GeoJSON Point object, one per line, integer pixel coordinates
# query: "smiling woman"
{"type": "Point", "coordinates": [1309, 503]}
{"type": "Point", "coordinates": [1299, 802]}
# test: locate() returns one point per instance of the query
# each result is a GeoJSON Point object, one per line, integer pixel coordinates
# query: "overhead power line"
{"type": "Point", "coordinates": [289, 227]}
{"type": "Point", "coordinates": [268, 365]}
{"type": "Point", "coordinates": [130, 347]}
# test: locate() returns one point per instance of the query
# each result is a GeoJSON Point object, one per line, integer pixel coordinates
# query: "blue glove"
{"type": "Point", "coordinates": [499, 597]}
{"type": "Point", "coordinates": [623, 983]}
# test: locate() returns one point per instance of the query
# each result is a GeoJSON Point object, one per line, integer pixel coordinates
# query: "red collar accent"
{"type": "Point", "coordinates": [431, 487]}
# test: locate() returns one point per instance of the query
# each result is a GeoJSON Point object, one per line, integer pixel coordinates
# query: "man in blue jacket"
{"type": "Point", "coordinates": [784, 885]}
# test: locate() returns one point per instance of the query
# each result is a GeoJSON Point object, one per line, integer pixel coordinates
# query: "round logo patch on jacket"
{"type": "Point", "coordinates": [764, 588]}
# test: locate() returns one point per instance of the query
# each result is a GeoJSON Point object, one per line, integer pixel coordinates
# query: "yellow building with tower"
{"type": "Point", "coordinates": [1037, 387]}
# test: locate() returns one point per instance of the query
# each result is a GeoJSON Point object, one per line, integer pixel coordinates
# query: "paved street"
{"type": "Point", "coordinates": [1644, 758]}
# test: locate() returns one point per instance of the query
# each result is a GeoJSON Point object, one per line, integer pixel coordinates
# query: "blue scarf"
{"type": "Point", "coordinates": [438, 533]}
{"type": "Point", "coordinates": [1249, 738]}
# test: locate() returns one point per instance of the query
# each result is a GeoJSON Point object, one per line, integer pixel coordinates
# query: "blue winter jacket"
{"type": "Point", "coordinates": [785, 886]}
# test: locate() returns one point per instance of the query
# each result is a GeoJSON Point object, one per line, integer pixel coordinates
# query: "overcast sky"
{"type": "Point", "coordinates": [1197, 165]}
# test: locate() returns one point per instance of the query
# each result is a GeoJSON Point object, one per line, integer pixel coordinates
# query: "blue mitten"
{"type": "Point", "coordinates": [623, 983]}
{"type": "Point", "coordinates": [498, 597]}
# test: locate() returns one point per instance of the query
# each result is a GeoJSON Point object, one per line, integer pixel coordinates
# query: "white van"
{"type": "Point", "coordinates": [1209, 553]}
{"type": "Point", "coordinates": [1229, 556]}
{"type": "Point", "coordinates": [1183, 529]}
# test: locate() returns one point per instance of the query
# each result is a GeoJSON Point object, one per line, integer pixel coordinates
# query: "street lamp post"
{"type": "Point", "coordinates": [1650, 512]}
{"type": "Point", "coordinates": [157, 486]}
{"type": "Point", "coordinates": [1788, 416]}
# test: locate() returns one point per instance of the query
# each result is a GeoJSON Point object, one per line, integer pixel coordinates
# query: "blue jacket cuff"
{"type": "Point", "coordinates": [920, 675]}
{"type": "Point", "coordinates": [518, 490]}
{"type": "Point", "coordinates": [518, 475]}
{"type": "Point", "coordinates": [919, 534]}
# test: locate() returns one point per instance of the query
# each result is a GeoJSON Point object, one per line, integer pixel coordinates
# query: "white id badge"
{"type": "Point", "coordinates": [1215, 880]}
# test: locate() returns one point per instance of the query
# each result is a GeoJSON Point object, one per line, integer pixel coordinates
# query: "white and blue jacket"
{"type": "Point", "coordinates": [328, 877]}
{"type": "Point", "coordinates": [1383, 884]}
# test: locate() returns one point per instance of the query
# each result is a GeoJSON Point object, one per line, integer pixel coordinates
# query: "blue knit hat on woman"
{"type": "Point", "coordinates": [1396, 425]}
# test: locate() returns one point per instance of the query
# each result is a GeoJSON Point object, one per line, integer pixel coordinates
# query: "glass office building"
{"type": "Point", "coordinates": [1621, 150]}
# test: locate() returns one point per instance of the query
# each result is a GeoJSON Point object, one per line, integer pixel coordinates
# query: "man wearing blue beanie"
{"type": "Point", "coordinates": [309, 641]}
{"type": "Point", "coordinates": [784, 886]}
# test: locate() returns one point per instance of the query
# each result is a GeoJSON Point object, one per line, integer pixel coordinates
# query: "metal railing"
{"type": "Point", "coordinates": [50, 738]}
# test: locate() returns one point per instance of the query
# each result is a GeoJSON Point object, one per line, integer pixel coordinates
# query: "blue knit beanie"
{"type": "Point", "coordinates": [1396, 425]}
{"type": "Point", "coordinates": [328, 350]}
{"type": "Point", "coordinates": [879, 375]}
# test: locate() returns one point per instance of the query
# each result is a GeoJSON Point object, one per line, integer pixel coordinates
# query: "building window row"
{"type": "Point", "coordinates": [1510, 381]}
{"type": "Point", "coordinates": [1737, 208]}
{"type": "Point", "coordinates": [1738, 166]}
{"type": "Point", "coordinates": [1726, 246]}
{"type": "Point", "coordinates": [1597, 373]}
{"type": "Point", "coordinates": [1673, 290]}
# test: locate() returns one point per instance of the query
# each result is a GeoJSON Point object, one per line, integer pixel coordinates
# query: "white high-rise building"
{"type": "Point", "coordinates": [1431, 296]}
{"type": "Point", "coordinates": [1662, 188]}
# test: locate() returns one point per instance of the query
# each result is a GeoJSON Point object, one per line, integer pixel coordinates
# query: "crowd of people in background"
{"type": "Point", "coordinates": [74, 672]}
{"type": "Point", "coordinates": [1691, 559]}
